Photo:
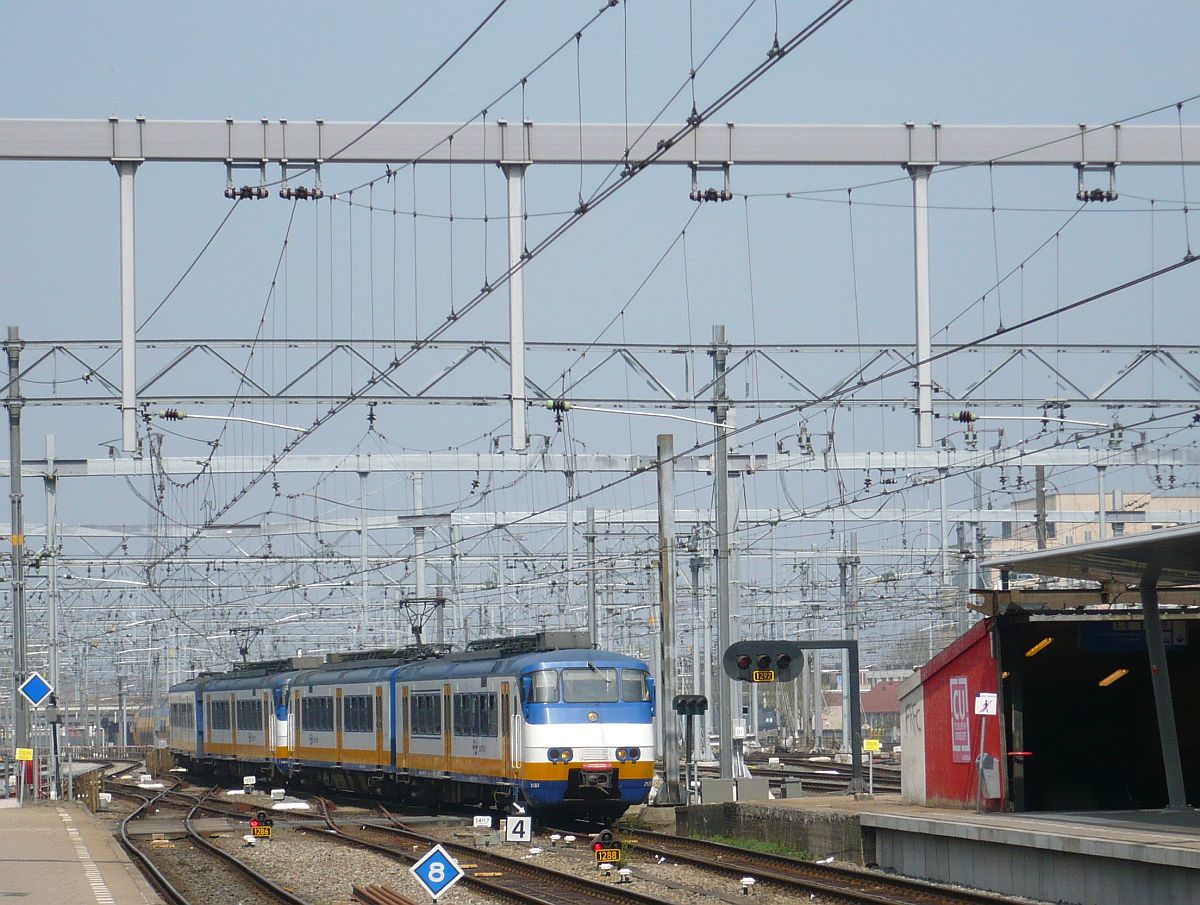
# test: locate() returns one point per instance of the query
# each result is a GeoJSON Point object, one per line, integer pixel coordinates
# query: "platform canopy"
{"type": "Point", "coordinates": [1123, 560]}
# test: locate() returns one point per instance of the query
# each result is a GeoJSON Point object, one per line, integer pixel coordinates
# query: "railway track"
{"type": "Point", "coordinates": [514, 879]}
{"type": "Point", "coordinates": [185, 875]}
{"type": "Point", "coordinates": [804, 877]}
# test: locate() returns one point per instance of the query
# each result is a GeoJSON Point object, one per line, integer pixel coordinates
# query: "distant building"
{"type": "Point", "coordinates": [1128, 512]}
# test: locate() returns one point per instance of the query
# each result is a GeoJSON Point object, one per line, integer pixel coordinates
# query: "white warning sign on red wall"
{"type": "Point", "coordinates": [960, 724]}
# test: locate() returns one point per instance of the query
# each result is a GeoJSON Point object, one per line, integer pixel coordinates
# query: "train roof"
{"type": "Point", "coordinates": [464, 665]}
{"type": "Point", "coordinates": [234, 682]}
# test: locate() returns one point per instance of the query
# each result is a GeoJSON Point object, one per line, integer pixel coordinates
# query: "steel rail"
{"type": "Point", "coordinates": [516, 878]}
{"type": "Point", "coordinates": [823, 879]}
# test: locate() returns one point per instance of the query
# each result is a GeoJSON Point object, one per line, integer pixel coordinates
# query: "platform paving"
{"type": "Point", "coordinates": [59, 852]}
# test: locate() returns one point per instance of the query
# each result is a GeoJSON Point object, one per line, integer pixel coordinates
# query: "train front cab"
{"type": "Point", "coordinates": [587, 738]}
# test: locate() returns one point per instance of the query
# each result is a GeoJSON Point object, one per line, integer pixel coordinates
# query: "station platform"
{"type": "Point", "coordinates": [58, 852]}
{"type": "Point", "coordinates": [1092, 858]}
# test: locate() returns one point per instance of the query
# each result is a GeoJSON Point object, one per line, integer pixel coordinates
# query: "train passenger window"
{"type": "Point", "coordinates": [590, 686]}
{"type": "Point", "coordinates": [475, 715]}
{"type": "Point", "coordinates": [218, 715]}
{"type": "Point", "coordinates": [634, 686]}
{"type": "Point", "coordinates": [425, 714]}
{"type": "Point", "coordinates": [358, 713]}
{"type": "Point", "coordinates": [316, 714]}
{"type": "Point", "coordinates": [249, 715]}
{"type": "Point", "coordinates": [545, 686]}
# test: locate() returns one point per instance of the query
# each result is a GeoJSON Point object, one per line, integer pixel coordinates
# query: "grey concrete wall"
{"type": "Point", "coordinates": [1067, 877]}
{"type": "Point", "coordinates": [819, 833]}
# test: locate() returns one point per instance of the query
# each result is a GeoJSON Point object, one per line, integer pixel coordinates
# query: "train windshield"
{"type": "Point", "coordinates": [544, 687]}
{"type": "Point", "coordinates": [590, 686]}
{"type": "Point", "coordinates": [634, 686]}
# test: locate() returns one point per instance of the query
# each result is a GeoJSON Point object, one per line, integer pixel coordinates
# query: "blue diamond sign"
{"type": "Point", "coordinates": [437, 871]}
{"type": "Point", "coordinates": [36, 689]}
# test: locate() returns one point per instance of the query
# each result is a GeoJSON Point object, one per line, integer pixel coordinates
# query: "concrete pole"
{"type": "Point", "coordinates": [1102, 508]}
{"type": "Point", "coordinates": [20, 708]}
{"type": "Point", "coordinates": [920, 178]}
{"type": "Point", "coordinates": [514, 174]}
{"type": "Point", "coordinates": [590, 538]}
{"type": "Point", "coordinates": [125, 171]}
{"type": "Point", "coordinates": [725, 691]}
{"type": "Point", "coordinates": [670, 792]}
{"type": "Point", "coordinates": [52, 599]}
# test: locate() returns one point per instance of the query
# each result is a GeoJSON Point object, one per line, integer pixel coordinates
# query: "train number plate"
{"type": "Point", "coordinates": [764, 675]}
{"type": "Point", "coordinates": [608, 856]}
{"type": "Point", "coordinates": [261, 832]}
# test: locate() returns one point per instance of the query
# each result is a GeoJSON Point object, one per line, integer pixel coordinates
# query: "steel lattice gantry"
{"type": "Point", "coordinates": [302, 147]}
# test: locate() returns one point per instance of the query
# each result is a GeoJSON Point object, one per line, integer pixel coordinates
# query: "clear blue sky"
{"type": "Point", "coordinates": [885, 62]}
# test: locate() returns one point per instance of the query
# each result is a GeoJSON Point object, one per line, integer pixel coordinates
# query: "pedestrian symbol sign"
{"type": "Point", "coordinates": [437, 871]}
{"type": "Point", "coordinates": [36, 690]}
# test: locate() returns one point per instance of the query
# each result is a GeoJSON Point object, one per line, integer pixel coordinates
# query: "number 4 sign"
{"type": "Point", "coordinates": [518, 829]}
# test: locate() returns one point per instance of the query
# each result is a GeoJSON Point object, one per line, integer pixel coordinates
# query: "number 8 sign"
{"type": "Point", "coordinates": [437, 871]}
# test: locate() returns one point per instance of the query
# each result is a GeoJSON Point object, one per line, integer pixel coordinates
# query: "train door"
{"type": "Point", "coordinates": [233, 718]}
{"type": "Point", "coordinates": [506, 758]}
{"type": "Point", "coordinates": [379, 725]}
{"type": "Point", "coordinates": [267, 721]}
{"type": "Point", "coordinates": [407, 722]}
{"type": "Point", "coordinates": [294, 737]}
{"type": "Point", "coordinates": [447, 725]}
{"type": "Point", "coordinates": [337, 723]}
{"type": "Point", "coordinates": [208, 722]}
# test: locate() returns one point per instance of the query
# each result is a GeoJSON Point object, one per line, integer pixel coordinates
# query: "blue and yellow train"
{"type": "Point", "coordinates": [516, 722]}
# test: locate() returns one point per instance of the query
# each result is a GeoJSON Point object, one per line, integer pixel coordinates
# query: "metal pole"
{"type": "Point", "coordinates": [440, 616]}
{"type": "Point", "coordinates": [514, 173]}
{"type": "Point", "coordinates": [20, 708]}
{"type": "Point", "coordinates": [669, 794]}
{"type": "Point", "coordinates": [1040, 490]}
{"type": "Point", "coordinates": [362, 552]}
{"type": "Point", "coordinates": [456, 585]}
{"type": "Point", "coordinates": [1102, 509]}
{"type": "Point", "coordinates": [725, 690]}
{"type": "Point", "coordinates": [418, 484]}
{"type": "Point", "coordinates": [920, 178]}
{"type": "Point", "coordinates": [590, 538]}
{"type": "Point", "coordinates": [856, 770]}
{"type": "Point", "coordinates": [1160, 680]}
{"type": "Point", "coordinates": [125, 171]}
{"type": "Point", "coordinates": [569, 576]}
{"type": "Point", "coordinates": [121, 708]}
{"type": "Point", "coordinates": [943, 476]}
{"type": "Point", "coordinates": [51, 482]}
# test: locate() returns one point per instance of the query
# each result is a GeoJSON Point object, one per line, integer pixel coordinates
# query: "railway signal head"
{"type": "Point", "coordinates": [762, 661]}
{"type": "Point", "coordinates": [690, 704]}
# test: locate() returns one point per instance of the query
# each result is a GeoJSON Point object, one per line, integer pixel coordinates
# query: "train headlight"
{"type": "Point", "coordinates": [567, 754]}
{"type": "Point", "coordinates": [622, 754]}
{"type": "Point", "coordinates": [554, 755]}
{"type": "Point", "coordinates": [635, 753]}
